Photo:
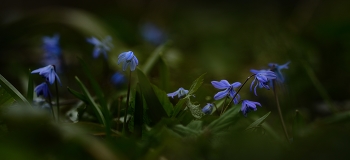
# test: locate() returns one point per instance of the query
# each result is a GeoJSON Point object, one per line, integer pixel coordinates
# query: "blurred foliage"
{"type": "Point", "coordinates": [224, 39]}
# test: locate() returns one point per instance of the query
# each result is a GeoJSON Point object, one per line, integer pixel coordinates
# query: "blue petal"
{"type": "Point", "coordinates": [236, 84]}
{"type": "Point", "coordinates": [221, 94]}
{"type": "Point", "coordinates": [223, 84]}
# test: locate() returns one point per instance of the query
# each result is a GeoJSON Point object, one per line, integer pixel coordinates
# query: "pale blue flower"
{"type": "Point", "coordinates": [277, 69]}
{"type": "Point", "coordinates": [48, 73]}
{"type": "Point", "coordinates": [263, 78]}
{"type": "Point", "coordinates": [128, 59]}
{"type": "Point", "coordinates": [207, 109]}
{"type": "Point", "coordinates": [118, 78]}
{"type": "Point", "coordinates": [229, 90]}
{"type": "Point", "coordinates": [42, 89]}
{"type": "Point", "coordinates": [51, 45]}
{"type": "Point", "coordinates": [101, 46]}
{"type": "Point", "coordinates": [248, 106]}
{"type": "Point", "coordinates": [181, 92]}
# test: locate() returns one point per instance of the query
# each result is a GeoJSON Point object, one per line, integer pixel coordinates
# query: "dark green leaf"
{"type": "Point", "coordinates": [195, 125]}
{"type": "Point", "coordinates": [155, 109]}
{"type": "Point", "coordinates": [185, 131]}
{"type": "Point", "coordinates": [229, 118]}
{"type": "Point", "coordinates": [196, 84]}
{"type": "Point", "coordinates": [138, 113]}
{"type": "Point", "coordinates": [92, 103]}
{"type": "Point", "coordinates": [5, 98]}
{"type": "Point", "coordinates": [13, 91]}
{"type": "Point", "coordinates": [179, 106]}
{"type": "Point", "coordinates": [78, 95]}
{"type": "Point", "coordinates": [164, 100]}
{"type": "Point", "coordinates": [258, 122]}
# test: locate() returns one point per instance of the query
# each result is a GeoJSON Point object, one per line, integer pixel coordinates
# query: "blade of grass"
{"type": "Point", "coordinates": [30, 89]}
{"type": "Point", "coordinates": [13, 91]}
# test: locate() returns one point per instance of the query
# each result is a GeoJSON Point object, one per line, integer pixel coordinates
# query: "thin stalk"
{"type": "Point", "coordinates": [118, 116]}
{"type": "Point", "coordinates": [127, 103]}
{"type": "Point", "coordinates": [238, 92]}
{"type": "Point", "coordinates": [50, 103]}
{"type": "Point", "coordinates": [279, 110]}
{"type": "Point", "coordinates": [57, 98]}
{"type": "Point", "coordinates": [223, 105]}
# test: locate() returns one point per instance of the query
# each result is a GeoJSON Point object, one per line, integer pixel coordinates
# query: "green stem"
{"type": "Point", "coordinates": [118, 116]}
{"type": "Point", "coordinates": [50, 103]}
{"type": "Point", "coordinates": [127, 103]}
{"type": "Point", "coordinates": [223, 106]}
{"type": "Point", "coordinates": [279, 111]}
{"type": "Point", "coordinates": [238, 92]}
{"type": "Point", "coordinates": [57, 98]}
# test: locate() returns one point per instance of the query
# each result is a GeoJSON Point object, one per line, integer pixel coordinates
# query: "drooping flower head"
{"type": "Point", "coordinates": [48, 73]}
{"type": "Point", "coordinates": [128, 59]}
{"type": "Point", "coordinates": [42, 89]}
{"type": "Point", "coordinates": [118, 79]}
{"type": "Point", "coordinates": [248, 106]}
{"type": "Point", "coordinates": [181, 92]}
{"type": "Point", "coordinates": [51, 45]}
{"type": "Point", "coordinates": [100, 46]}
{"type": "Point", "coordinates": [229, 90]}
{"type": "Point", "coordinates": [207, 109]}
{"type": "Point", "coordinates": [262, 78]}
{"type": "Point", "coordinates": [277, 69]}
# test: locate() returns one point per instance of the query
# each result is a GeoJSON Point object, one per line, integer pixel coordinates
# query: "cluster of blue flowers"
{"type": "Point", "coordinates": [262, 78]}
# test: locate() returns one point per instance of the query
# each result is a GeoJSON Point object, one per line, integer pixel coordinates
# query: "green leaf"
{"type": "Point", "coordinates": [164, 75]}
{"type": "Point", "coordinates": [155, 108]}
{"type": "Point", "coordinates": [164, 100]}
{"type": "Point", "coordinates": [153, 59]}
{"type": "Point", "coordinates": [195, 85]}
{"type": "Point", "coordinates": [229, 118]}
{"type": "Point", "coordinates": [258, 122]}
{"type": "Point", "coordinates": [337, 118]}
{"type": "Point", "coordinates": [92, 103]}
{"type": "Point", "coordinates": [13, 91]}
{"type": "Point", "coordinates": [185, 131]}
{"type": "Point", "coordinates": [78, 95]}
{"type": "Point", "coordinates": [30, 89]}
{"type": "Point", "coordinates": [299, 124]}
{"type": "Point", "coordinates": [99, 92]}
{"type": "Point", "coordinates": [195, 125]}
{"type": "Point", "coordinates": [179, 106]}
{"type": "Point", "coordinates": [5, 98]}
{"type": "Point", "coordinates": [138, 113]}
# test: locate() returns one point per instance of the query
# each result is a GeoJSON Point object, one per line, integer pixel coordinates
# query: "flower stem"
{"type": "Point", "coordinates": [57, 98]}
{"type": "Point", "coordinates": [279, 111]}
{"type": "Point", "coordinates": [223, 105]}
{"type": "Point", "coordinates": [50, 103]}
{"type": "Point", "coordinates": [127, 103]}
{"type": "Point", "coordinates": [118, 116]}
{"type": "Point", "coordinates": [238, 92]}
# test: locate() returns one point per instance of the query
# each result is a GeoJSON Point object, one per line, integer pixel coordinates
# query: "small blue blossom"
{"type": "Point", "coordinates": [248, 106]}
{"type": "Point", "coordinates": [263, 78]}
{"type": "Point", "coordinates": [277, 69]}
{"type": "Point", "coordinates": [207, 109]}
{"type": "Point", "coordinates": [100, 46]}
{"type": "Point", "coordinates": [128, 59]}
{"type": "Point", "coordinates": [51, 46]}
{"type": "Point", "coordinates": [181, 92]}
{"type": "Point", "coordinates": [118, 78]}
{"type": "Point", "coordinates": [229, 90]}
{"type": "Point", "coordinates": [42, 89]}
{"type": "Point", "coordinates": [48, 73]}
{"type": "Point", "coordinates": [153, 34]}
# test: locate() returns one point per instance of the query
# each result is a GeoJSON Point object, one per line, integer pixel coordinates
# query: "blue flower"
{"type": "Point", "coordinates": [42, 89]}
{"type": "Point", "coordinates": [229, 90]}
{"type": "Point", "coordinates": [48, 73]}
{"type": "Point", "coordinates": [263, 78]}
{"type": "Point", "coordinates": [51, 46]}
{"type": "Point", "coordinates": [128, 59]}
{"type": "Point", "coordinates": [208, 108]}
{"type": "Point", "coordinates": [118, 78]}
{"type": "Point", "coordinates": [277, 69]}
{"type": "Point", "coordinates": [180, 93]}
{"type": "Point", "coordinates": [100, 46]}
{"type": "Point", "coordinates": [153, 34]}
{"type": "Point", "coordinates": [248, 106]}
